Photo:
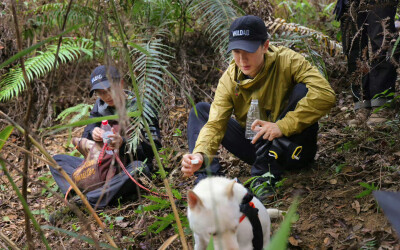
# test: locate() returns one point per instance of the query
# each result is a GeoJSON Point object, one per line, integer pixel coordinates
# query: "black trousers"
{"type": "Point", "coordinates": [236, 143]}
{"type": "Point", "coordinates": [381, 73]}
{"type": "Point", "coordinates": [119, 187]}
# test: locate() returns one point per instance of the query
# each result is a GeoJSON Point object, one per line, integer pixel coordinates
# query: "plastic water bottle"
{"type": "Point", "coordinates": [252, 115]}
{"type": "Point", "coordinates": [107, 131]}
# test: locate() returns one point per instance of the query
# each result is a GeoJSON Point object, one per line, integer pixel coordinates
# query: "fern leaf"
{"type": "Point", "coordinates": [82, 111]}
{"type": "Point", "coordinates": [12, 83]}
{"type": "Point", "coordinates": [218, 14]}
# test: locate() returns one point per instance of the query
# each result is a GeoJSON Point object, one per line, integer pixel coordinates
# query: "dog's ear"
{"type": "Point", "coordinates": [194, 200]}
{"type": "Point", "coordinates": [229, 190]}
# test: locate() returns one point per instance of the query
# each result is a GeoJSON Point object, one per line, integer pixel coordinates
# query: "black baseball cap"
{"type": "Point", "coordinates": [99, 79]}
{"type": "Point", "coordinates": [246, 33]}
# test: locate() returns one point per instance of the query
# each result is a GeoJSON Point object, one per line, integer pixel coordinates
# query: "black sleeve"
{"type": "Point", "coordinates": [87, 132]}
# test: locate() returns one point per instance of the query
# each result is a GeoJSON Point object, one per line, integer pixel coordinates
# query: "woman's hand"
{"type": "Point", "coordinates": [266, 130]}
{"type": "Point", "coordinates": [97, 134]}
{"type": "Point", "coordinates": [191, 163]}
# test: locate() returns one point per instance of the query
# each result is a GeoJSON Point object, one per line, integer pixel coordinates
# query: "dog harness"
{"type": "Point", "coordinates": [251, 212]}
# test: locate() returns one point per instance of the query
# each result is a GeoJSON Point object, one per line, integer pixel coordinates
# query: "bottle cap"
{"type": "Point", "coordinates": [104, 122]}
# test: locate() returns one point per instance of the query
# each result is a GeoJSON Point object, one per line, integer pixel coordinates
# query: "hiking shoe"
{"type": "Point", "coordinates": [361, 117]}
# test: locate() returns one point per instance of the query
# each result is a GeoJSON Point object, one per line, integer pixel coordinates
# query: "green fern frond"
{"type": "Point", "coordinates": [150, 78]}
{"type": "Point", "coordinates": [12, 83]}
{"type": "Point", "coordinates": [290, 39]}
{"type": "Point", "coordinates": [51, 14]}
{"type": "Point", "coordinates": [151, 68]}
{"type": "Point", "coordinates": [218, 15]}
{"type": "Point", "coordinates": [82, 111]}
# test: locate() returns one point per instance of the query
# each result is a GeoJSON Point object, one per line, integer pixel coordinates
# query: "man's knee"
{"type": "Point", "coordinates": [299, 91]}
{"type": "Point", "coordinates": [200, 111]}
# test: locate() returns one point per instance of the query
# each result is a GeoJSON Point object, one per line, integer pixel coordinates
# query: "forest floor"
{"type": "Point", "coordinates": [330, 215]}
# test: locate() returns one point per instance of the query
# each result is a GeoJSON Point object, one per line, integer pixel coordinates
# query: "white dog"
{"type": "Point", "coordinates": [214, 210]}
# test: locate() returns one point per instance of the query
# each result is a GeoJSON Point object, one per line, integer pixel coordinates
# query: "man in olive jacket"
{"type": "Point", "coordinates": [292, 97]}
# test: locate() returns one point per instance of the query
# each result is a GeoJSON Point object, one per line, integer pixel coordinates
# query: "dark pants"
{"type": "Point", "coordinates": [381, 73]}
{"type": "Point", "coordinates": [120, 186]}
{"type": "Point", "coordinates": [236, 143]}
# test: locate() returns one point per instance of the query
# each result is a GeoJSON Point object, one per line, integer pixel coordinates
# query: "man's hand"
{"type": "Point", "coordinates": [267, 130]}
{"type": "Point", "coordinates": [97, 134]}
{"type": "Point", "coordinates": [191, 163]}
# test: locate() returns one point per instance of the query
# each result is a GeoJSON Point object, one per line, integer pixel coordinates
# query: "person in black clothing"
{"type": "Point", "coordinates": [362, 22]}
{"type": "Point", "coordinates": [120, 185]}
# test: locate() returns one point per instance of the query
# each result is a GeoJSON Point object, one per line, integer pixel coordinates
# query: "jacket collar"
{"type": "Point", "coordinates": [238, 76]}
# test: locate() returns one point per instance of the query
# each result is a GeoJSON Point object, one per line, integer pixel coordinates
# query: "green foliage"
{"type": "Point", "coordinates": [51, 15]}
{"type": "Point", "coordinates": [387, 94]}
{"type": "Point", "coordinates": [368, 191]}
{"type": "Point", "coordinates": [395, 46]}
{"type": "Point", "coordinates": [260, 189]}
{"type": "Point", "coordinates": [211, 244]}
{"type": "Point", "coordinates": [75, 227]}
{"type": "Point", "coordinates": [164, 205]}
{"type": "Point", "coordinates": [36, 46]}
{"type": "Point", "coordinates": [347, 146]}
{"type": "Point", "coordinates": [50, 183]}
{"type": "Point", "coordinates": [302, 45]}
{"type": "Point", "coordinates": [4, 134]}
{"type": "Point", "coordinates": [81, 109]}
{"type": "Point", "coordinates": [160, 204]}
{"type": "Point", "coordinates": [316, 15]}
{"type": "Point", "coordinates": [110, 220]}
{"type": "Point", "coordinates": [43, 212]}
{"type": "Point", "coordinates": [339, 167]}
{"type": "Point", "coordinates": [369, 245]}
{"type": "Point", "coordinates": [178, 132]}
{"type": "Point", "coordinates": [217, 15]}
{"type": "Point", "coordinates": [12, 83]}
{"type": "Point", "coordinates": [151, 67]}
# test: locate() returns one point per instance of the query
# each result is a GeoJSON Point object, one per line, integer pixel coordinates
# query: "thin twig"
{"type": "Point", "coordinates": [8, 241]}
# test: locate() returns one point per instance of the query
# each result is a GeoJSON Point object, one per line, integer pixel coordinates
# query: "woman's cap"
{"type": "Point", "coordinates": [99, 79]}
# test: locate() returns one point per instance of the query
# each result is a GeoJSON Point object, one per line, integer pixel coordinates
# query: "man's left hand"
{"type": "Point", "coordinates": [267, 130]}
